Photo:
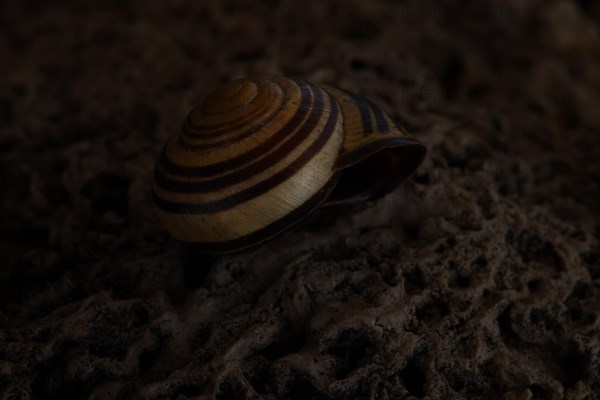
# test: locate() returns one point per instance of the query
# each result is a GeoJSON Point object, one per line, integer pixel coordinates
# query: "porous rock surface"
{"type": "Point", "coordinates": [479, 278]}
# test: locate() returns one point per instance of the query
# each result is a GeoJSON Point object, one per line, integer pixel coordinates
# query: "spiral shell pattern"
{"type": "Point", "coordinates": [259, 155]}
{"type": "Point", "coordinates": [231, 177]}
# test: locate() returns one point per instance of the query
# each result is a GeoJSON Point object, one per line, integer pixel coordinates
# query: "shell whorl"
{"type": "Point", "coordinates": [241, 157]}
{"type": "Point", "coordinates": [260, 154]}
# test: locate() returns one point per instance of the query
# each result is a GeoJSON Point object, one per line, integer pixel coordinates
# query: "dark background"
{"type": "Point", "coordinates": [479, 278]}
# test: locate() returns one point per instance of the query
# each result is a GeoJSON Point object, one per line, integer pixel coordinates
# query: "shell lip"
{"type": "Point", "coordinates": [375, 170]}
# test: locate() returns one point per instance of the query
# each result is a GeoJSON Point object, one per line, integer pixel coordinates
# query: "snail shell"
{"type": "Point", "coordinates": [260, 154]}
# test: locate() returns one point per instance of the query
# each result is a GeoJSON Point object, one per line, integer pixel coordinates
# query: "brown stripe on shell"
{"type": "Point", "coordinates": [234, 164]}
{"type": "Point", "coordinates": [306, 100]}
{"type": "Point", "coordinates": [380, 121]}
{"type": "Point", "coordinates": [261, 187]}
{"type": "Point", "coordinates": [365, 115]}
{"type": "Point", "coordinates": [261, 105]}
{"type": "Point", "coordinates": [278, 226]}
{"type": "Point", "coordinates": [259, 114]}
{"type": "Point", "coordinates": [232, 130]}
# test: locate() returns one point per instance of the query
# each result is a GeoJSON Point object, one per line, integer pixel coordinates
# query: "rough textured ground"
{"type": "Point", "coordinates": [480, 278]}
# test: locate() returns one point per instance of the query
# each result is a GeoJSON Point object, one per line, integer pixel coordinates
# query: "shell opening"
{"type": "Point", "coordinates": [376, 175]}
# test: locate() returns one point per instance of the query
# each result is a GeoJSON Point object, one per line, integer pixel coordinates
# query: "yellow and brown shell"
{"type": "Point", "coordinates": [261, 154]}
